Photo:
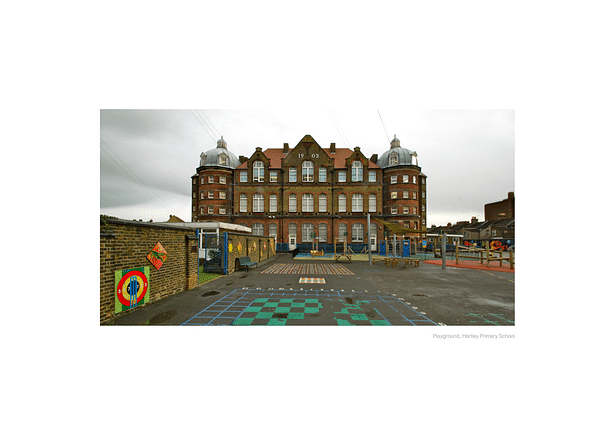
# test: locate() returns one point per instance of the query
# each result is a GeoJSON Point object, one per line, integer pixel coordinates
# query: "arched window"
{"type": "Point", "coordinates": [307, 171]}
{"type": "Point", "coordinates": [357, 202]}
{"type": "Point", "coordinates": [341, 208]}
{"type": "Point", "coordinates": [357, 232]}
{"type": "Point", "coordinates": [306, 232]}
{"type": "Point", "coordinates": [292, 230]}
{"type": "Point", "coordinates": [258, 203]}
{"type": "Point", "coordinates": [357, 171]}
{"type": "Point", "coordinates": [258, 171]}
{"type": "Point", "coordinates": [342, 231]}
{"type": "Point", "coordinates": [292, 203]}
{"type": "Point", "coordinates": [322, 233]}
{"type": "Point", "coordinates": [393, 159]}
{"type": "Point", "coordinates": [273, 230]}
{"type": "Point", "coordinates": [273, 203]}
{"type": "Point", "coordinates": [322, 203]}
{"type": "Point", "coordinates": [307, 204]}
{"type": "Point", "coordinates": [372, 203]}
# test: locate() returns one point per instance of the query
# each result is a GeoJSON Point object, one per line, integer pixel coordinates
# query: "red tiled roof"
{"type": "Point", "coordinates": [275, 156]}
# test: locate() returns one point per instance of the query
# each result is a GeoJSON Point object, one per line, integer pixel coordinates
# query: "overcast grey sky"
{"type": "Point", "coordinates": [148, 156]}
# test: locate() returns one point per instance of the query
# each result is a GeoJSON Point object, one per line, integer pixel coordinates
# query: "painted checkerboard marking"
{"type": "Point", "coordinates": [307, 269]}
{"type": "Point", "coordinates": [312, 281]}
{"type": "Point", "coordinates": [304, 307]}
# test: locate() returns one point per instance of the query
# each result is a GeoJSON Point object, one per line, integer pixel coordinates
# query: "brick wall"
{"type": "Point", "coordinates": [257, 248]}
{"type": "Point", "coordinates": [502, 209]}
{"type": "Point", "coordinates": [125, 245]}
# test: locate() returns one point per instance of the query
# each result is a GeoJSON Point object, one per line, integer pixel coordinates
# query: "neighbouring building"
{"type": "Point", "coordinates": [309, 193]}
{"type": "Point", "coordinates": [504, 209]}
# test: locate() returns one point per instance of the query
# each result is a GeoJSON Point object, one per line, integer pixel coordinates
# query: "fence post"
{"type": "Point", "coordinates": [457, 254]}
{"type": "Point", "coordinates": [443, 251]}
{"type": "Point", "coordinates": [488, 255]}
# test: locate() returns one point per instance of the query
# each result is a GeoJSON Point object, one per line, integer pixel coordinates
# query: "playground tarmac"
{"type": "Point", "coordinates": [287, 291]}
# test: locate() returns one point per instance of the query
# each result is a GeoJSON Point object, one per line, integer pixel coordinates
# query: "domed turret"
{"type": "Point", "coordinates": [220, 156]}
{"type": "Point", "coordinates": [397, 156]}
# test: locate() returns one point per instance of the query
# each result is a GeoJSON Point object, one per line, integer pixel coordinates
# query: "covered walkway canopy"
{"type": "Point", "coordinates": [396, 229]}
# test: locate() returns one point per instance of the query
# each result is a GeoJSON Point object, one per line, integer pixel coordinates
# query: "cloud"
{"type": "Point", "coordinates": [148, 156]}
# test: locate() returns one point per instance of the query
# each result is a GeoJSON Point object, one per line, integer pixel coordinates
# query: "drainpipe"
{"type": "Point", "coordinates": [369, 240]}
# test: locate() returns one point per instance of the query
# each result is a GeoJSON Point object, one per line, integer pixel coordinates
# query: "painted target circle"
{"type": "Point", "coordinates": [123, 294]}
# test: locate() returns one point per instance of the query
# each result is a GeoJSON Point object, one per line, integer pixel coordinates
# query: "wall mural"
{"type": "Point", "coordinates": [157, 256]}
{"type": "Point", "coordinates": [131, 288]}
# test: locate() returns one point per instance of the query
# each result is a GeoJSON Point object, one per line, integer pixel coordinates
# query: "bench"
{"type": "Point", "coordinates": [246, 262]}
{"type": "Point", "coordinates": [349, 257]}
{"type": "Point", "coordinates": [393, 261]}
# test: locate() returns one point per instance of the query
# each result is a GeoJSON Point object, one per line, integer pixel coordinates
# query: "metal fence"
{"type": "Point", "coordinates": [216, 253]}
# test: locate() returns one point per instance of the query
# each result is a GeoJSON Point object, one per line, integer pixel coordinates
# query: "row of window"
{"type": "Point", "coordinates": [307, 203]}
{"type": "Point", "coordinates": [210, 210]}
{"type": "Point", "coordinates": [405, 194]}
{"type": "Point", "coordinates": [306, 206]}
{"type": "Point", "coordinates": [211, 194]}
{"type": "Point", "coordinates": [309, 233]}
{"type": "Point", "coordinates": [273, 198]}
{"type": "Point", "coordinates": [404, 178]}
{"type": "Point", "coordinates": [307, 173]}
{"type": "Point", "coordinates": [211, 179]}
{"type": "Point", "coordinates": [393, 160]}
{"type": "Point", "coordinates": [405, 210]}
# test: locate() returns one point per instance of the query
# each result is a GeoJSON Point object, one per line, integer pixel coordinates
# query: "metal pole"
{"type": "Point", "coordinates": [369, 240]}
{"type": "Point", "coordinates": [443, 251]}
{"type": "Point", "coordinates": [394, 245]}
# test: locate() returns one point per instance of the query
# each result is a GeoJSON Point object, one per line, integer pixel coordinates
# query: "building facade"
{"type": "Point", "coordinates": [309, 193]}
{"type": "Point", "coordinates": [504, 209]}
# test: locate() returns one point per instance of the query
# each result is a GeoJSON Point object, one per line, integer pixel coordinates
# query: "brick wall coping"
{"type": "Point", "coordinates": [145, 224]}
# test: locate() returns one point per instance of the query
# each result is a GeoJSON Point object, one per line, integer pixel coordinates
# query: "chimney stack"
{"type": "Point", "coordinates": [332, 148]}
{"type": "Point", "coordinates": [286, 148]}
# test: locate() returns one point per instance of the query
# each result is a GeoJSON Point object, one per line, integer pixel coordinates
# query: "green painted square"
{"type": "Point", "coordinates": [342, 322]}
{"type": "Point", "coordinates": [282, 310]}
{"type": "Point", "coordinates": [295, 316]}
{"type": "Point", "coordinates": [253, 309]}
{"type": "Point", "coordinates": [297, 305]}
{"type": "Point", "coordinates": [286, 301]}
{"type": "Point", "coordinates": [261, 300]}
{"type": "Point", "coordinates": [379, 322]}
{"type": "Point", "coordinates": [263, 315]}
{"type": "Point", "coordinates": [311, 309]}
{"type": "Point", "coordinates": [359, 317]}
{"type": "Point", "coordinates": [241, 321]}
{"type": "Point", "coordinates": [277, 322]}
{"type": "Point", "coordinates": [271, 304]}
{"type": "Point", "coordinates": [311, 301]}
